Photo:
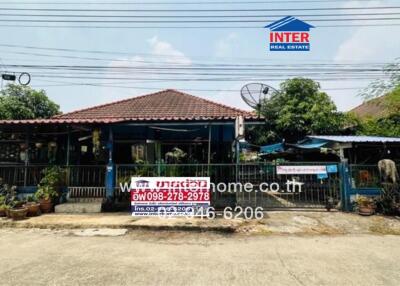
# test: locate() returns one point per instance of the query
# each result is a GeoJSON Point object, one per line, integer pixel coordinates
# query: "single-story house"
{"type": "Point", "coordinates": [101, 143]}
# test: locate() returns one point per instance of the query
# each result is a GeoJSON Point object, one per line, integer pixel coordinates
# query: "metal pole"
{"type": "Point", "coordinates": [209, 145]}
{"type": "Point", "coordinates": [68, 147]}
{"type": "Point", "coordinates": [26, 158]}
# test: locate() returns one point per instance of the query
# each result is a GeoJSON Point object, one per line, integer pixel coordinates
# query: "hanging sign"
{"type": "Point", "coordinates": [169, 196]}
{"type": "Point", "coordinates": [300, 170]}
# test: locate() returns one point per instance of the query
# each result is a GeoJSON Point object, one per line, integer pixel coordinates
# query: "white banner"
{"type": "Point", "coordinates": [300, 170]}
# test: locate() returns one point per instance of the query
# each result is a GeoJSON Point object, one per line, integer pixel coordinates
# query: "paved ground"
{"type": "Point", "coordinates": [274, 222]}
{"type": "Point", "coordinates": [75, 257]}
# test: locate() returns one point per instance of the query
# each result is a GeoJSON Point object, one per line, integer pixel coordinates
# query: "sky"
{"type": "Point", "coordinates": [187, 48]}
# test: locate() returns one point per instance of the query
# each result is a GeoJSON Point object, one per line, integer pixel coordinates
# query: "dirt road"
{"type": "Point", "coordinates": [45, 257]}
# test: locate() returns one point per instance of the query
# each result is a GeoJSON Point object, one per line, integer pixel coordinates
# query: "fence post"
{"type": "Point", "coordinates": [110, 180]}
{"type": "Point", "coordinates": [110, 172]}
{"type": "Point", "coordinates": [345, 185]}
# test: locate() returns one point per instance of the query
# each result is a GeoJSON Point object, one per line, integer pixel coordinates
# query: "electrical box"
{"type": "Point", "coordinates": [239, 127]}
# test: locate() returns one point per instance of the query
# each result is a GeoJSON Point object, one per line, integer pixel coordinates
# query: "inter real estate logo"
{"type": "Point", "coordinates": [289, 34]}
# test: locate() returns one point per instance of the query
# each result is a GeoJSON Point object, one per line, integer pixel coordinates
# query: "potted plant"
{"type": "Point", "coordinates": [8, 198]}
{"type": "Point", "coordinates": [16, 210]}
{"type": "Point", "coordinates": [365, 205]}
{"type": "Point", "coordinates": [45, 195]}
{"type": "Point", "coordinates": [32, 205]}
{"type": "Point", "coordinates": [48, 187]}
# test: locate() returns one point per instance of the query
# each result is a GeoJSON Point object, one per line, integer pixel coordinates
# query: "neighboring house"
{"type": "Point", "coordinates": [139, 130]}
{"type": "Point", "coordinates": [353, 149]}
{"type": "Point", "coordinates": [374, 108]}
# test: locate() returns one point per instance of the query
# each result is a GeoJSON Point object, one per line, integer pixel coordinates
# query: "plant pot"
{"type": "Point", "coordinates": [18, 213]}
{"type": "Point", "coordinates": [33, 208]}
{"type": "Point", "coordinates": [46, 206]}
{"type": "Point", "coordinates": [366, 210]}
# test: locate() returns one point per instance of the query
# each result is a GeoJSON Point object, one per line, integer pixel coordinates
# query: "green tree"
{"type": "Point", "coordinates": [299, 109]}
{"type": "Point", "coordinates": [385, 126]}
{"type": "Point", "coordinates": [22, 102]}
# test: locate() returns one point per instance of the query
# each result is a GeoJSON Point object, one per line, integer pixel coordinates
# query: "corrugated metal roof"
{"type": "Point", "coordinates": [357, 139]}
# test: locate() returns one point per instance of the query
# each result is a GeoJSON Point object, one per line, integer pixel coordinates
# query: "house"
{"type": "Point", "coordinates": [106, 142]}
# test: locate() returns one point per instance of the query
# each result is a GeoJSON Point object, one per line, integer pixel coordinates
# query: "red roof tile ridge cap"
{"type": "Point", "coordinates": [60, 116]}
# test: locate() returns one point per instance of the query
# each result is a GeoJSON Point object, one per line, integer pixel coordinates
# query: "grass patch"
{"type": "Point", "coordinates": [384, 229]}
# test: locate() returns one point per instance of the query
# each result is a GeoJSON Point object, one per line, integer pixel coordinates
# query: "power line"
{"type": "Point", "coordinates": [273, 67]}
{"type": "Point", "coordinates": [196, 16]}
{"type": "Point", "coordinates": [203, 10]}
{"type": "Point", "coordinates": [184, 27]}
{"type": "Point", "coordinates": [186, 21]}
{"type": "Point", "coordinates": [170, 3]}
{"type": "Point", "coordinates": [156, 57]}
{"type": "Point", "coordinates": [64, 83]}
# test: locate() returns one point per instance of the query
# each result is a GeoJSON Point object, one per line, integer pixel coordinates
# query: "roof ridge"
{"type": "Point", "coordinates": [61, 116]}
{"type": "Point", "coordinates": [107, 104]}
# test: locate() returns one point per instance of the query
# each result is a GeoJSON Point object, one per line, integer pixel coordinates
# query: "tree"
{"type": "Point", "coordinates": [21, 102]}
{"type": "Point", "coordinates": [385, 126]}
{"type": "Point", "coordinates": [299, 109]}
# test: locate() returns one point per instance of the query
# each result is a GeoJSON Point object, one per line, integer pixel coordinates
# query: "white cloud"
{"type": "Point", "coordinates": [167, 52]}
{"type": "Point", "coordinates": [160, 53]}
{"type": "Point", "coordinates": [364, 45]}
{"type": "Point", "coordinates": [369, 43]}
{"type": "Point", "coordinates": [225, 46]}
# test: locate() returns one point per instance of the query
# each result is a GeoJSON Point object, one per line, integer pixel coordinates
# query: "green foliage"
{"type": "Point", "coordinates": [299, 109]}
{"type": "Point", "coordinates": [381, 87]}
{"type": "Point", "coordinates": [31, 199]}
{"type": "Point", "coordinates": [21, 102]}
{"type": "Point", "coordinates": [392, 101]}
{"type": "Point", "coordinates": [386, 126]}
{"type": "Point", "coordinates": [389, 125]}
{"type": "Point", "coordinates": [48, 187]}
{"type": "Point", "coordinates": [46, 193]}
{"type": "Point", "coordinates": [8, 196]}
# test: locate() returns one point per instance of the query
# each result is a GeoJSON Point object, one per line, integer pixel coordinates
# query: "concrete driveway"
{"type": "Point", "coordinates": [76, 257]}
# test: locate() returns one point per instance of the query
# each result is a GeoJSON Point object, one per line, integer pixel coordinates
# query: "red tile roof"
{"type": "Point", "coordinates": [374, 108]}
{"type": "Point", "coordinates": [164, 105]}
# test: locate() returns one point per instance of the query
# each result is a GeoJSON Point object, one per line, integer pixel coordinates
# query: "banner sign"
{"type": "Point", "coordinates": [169, 196]}
{"type": "Point", "coordinates": [300, 170]}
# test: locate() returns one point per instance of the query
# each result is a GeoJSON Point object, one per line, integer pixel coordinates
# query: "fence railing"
{"type": "Point", "coordinates": [75, 176]}
{"type": "Point", "coordinates": [366, 176]}
{"type": "Point", "coordinates": [85, 176]}
{"type": "Point", "coordinates": [315, 192]}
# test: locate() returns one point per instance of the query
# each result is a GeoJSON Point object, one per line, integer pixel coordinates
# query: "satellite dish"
{"type": "Point", "coordinates": [255, 93]}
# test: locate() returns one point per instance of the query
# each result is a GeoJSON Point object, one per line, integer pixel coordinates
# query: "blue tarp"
{"type": "Point", "coordinates": [274, 148]}
{"type": "Point", "coordinates": [310, 144]}
{"type": "Point", "coordinates": [306, 144]}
